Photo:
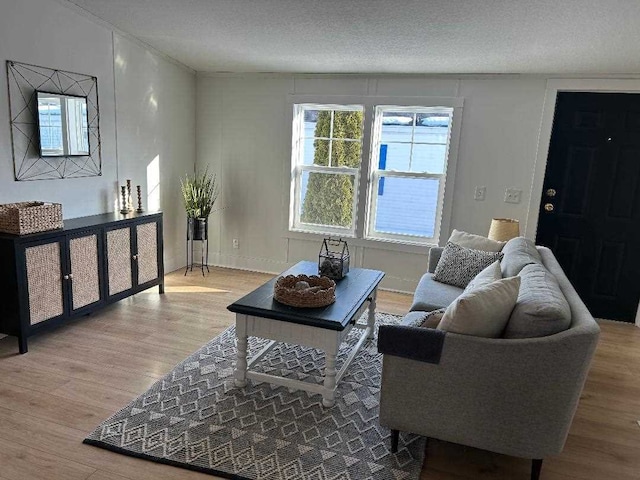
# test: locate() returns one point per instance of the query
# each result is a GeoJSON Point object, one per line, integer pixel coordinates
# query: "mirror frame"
{"type": "Point", "coordinates": [23, 81]}
{"type": "Point", "coordinates": [39, 127]}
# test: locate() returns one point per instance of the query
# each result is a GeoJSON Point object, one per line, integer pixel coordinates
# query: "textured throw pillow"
{"type": "Point", "coordinates": [518, 253]}
{"type": "Point", "coordinates": [423, 319]}
{"type": "Point", "coordinates": [477, 242]}
{"type": "Point", "coordinates": [486, 276]}
{"type": "Point", "coordinates": [459, 265]}
{"type": "Point", "coordinates": [484, 311]}
{"type": "Point", "coordinates": [541, 308]}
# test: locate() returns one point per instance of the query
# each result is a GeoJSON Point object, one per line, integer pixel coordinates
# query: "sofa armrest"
{"type": "Point", "coordinates": [434, 258]}
{"type": "Point", "coordinates": [511, 396]}
{"type": "Point", "coordinates": [415, 343]}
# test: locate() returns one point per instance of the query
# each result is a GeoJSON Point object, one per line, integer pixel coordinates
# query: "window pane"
{"type": "Point", "coordinates": [316, 151]}
{"type": "Point", "coordinates": [407, 206]}
{"type": "Point", "coordinates": [347, 124]}
{"type": "Point", "coordinates": [345, 153]}
{"type": "Point", "coordinates": [310, 121]}
{"type": "Point", "coordinates": [431, 135]}
{"type": "Point", "coordinates": [428, 158]}
{"type": "Point", "coordinates": [396, 133]}
{"type": "Point", "coordinates": [327, 199]}
{"type": "Point", "coordinates": [394, 156]}
{"type": "Point", "coordinates": [433, 120]}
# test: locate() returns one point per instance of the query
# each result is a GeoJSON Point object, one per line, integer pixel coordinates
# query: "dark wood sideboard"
{"type": "Point", "coordinates": [49, 277]}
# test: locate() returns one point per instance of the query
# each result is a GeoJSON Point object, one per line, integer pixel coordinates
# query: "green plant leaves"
{"type": "Point", "coordinates": [199, 193]}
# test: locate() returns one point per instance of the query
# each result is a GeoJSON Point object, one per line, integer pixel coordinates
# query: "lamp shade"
{"type": "Point", "coordinates": [503, 229]}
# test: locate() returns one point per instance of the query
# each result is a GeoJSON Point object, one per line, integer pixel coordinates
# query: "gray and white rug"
{"type": "Point", "coordinates": [196, 418]}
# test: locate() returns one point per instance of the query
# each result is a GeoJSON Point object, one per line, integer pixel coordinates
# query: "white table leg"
{"type": "Point", "coordinates": [329, 393]}
{"type": "Point", "coordinates": [371, 320]}
{"type": "Point", "coordinates": [241, 349]}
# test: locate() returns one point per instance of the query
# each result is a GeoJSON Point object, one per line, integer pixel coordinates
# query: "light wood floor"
{"type": "Point", "coordinates": [79, 374]}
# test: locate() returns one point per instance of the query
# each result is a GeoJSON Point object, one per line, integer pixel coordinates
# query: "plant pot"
{"type": "Point", "coordinates": [197, 228]}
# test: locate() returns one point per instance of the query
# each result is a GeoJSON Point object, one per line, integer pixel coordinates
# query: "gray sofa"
{"type": "Point", "coordinates": [512, 396]}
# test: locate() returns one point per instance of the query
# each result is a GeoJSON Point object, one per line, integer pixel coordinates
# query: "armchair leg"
{"type": "Point", "coordinates": [536, 467]}
{"type": "Point", "coordinates": [395, 435]}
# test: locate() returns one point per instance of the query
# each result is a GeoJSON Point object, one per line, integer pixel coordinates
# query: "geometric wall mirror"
{"type": "Point", "coordinates": [55, 123]}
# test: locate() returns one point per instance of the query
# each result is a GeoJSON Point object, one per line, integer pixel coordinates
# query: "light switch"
{"type": "Point", "coordinates": [512, 195]}
{"type": "Point", "coordinates": [481, 193]}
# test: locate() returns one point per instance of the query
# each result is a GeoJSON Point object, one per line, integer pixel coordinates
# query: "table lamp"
{"type": "Point", "coordinates": [503, 229]}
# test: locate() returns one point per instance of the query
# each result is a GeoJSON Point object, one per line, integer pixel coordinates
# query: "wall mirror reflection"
{"type": "Point", "coordinates": [63, 125]}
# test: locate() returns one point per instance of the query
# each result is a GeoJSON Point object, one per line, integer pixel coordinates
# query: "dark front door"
{"type": "Point", "coordinates": [590, 209]}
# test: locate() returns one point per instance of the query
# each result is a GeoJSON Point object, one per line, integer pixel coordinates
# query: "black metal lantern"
{"type": "Point", "coordinates": [333, 260]}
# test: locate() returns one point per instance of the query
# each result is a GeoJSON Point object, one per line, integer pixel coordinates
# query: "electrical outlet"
{"type": "Point", "coordinates": [236, 243]}
{"type": "Point", "coordinates": [481, 194]}
{"type": "Point", "coordinates": [512, 195]}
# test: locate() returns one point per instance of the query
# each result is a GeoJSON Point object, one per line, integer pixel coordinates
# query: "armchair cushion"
{"type": "Point", "coordinates": [541, 308]}
{"type": "Point", "coordinates": [518, 253]}
{"type": "Point", "coordinates": [432, 295]}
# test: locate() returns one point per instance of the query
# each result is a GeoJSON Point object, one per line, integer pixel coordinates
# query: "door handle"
{"type": "Point", "coordinates": [549, 207]}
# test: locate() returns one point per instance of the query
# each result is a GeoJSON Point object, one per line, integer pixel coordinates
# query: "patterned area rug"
{"type": "Point", "coordinates": [196, 418]}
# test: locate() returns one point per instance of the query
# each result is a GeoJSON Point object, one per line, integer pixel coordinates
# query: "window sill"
{"type": "Point", "coordinates": [378, 243]}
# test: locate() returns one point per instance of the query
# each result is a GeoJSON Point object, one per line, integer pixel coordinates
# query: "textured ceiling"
{"type": "Point", "coordinates": [392, 36]}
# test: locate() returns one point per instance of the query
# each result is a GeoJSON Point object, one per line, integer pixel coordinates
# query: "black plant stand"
{"type": "Point", "coordinates": [197, 231]}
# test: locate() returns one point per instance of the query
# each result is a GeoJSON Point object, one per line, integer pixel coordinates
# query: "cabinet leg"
{"type": "Point", "coordinates": [22, 344]}
{"type": "Point", "coordinates": [161, 288]}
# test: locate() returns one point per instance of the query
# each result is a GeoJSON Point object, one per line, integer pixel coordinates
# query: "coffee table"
{"type": "Point", "coordinates": [259, 315]}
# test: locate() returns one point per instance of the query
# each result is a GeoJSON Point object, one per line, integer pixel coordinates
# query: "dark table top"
{"type": "Point", "coordinates": [351, 292]}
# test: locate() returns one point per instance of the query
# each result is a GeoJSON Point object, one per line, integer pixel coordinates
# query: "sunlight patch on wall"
{"type": "Point", "coordinates": [153, 184]}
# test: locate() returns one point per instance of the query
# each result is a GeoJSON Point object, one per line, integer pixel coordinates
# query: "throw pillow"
{"type": "Point", "coordinates": [477, 242]}
{"type": "Point", "coordinates": [486, 276]}
{"type": "Point", "coordinates": [484, 311]}
{"type": "Point", "coordinates": [518, 252]}
{"type": "Point", "coordinates": [423, 319]}
{"type": "Point", "coordinates": [459, 265]}
{"type": "Point", "coordinates": [541, 308]}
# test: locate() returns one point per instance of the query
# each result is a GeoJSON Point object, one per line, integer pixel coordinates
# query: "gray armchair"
{"type": "Point", "coordinates": [512, 396]}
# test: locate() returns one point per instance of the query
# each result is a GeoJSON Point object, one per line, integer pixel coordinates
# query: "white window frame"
{"type": "Point", "coordinates": [298, 168]}
{"type": "Point", "coordinates": [359, 237]}
{"type": "Point", "coordinates": [376, 174]}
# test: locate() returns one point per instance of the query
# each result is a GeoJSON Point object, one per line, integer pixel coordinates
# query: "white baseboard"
{"type": "Point", "coordinates": [264, 265]}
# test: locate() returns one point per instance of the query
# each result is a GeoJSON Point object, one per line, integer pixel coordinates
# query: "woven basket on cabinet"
{"type": "Point", "coordinates": [30, 217]}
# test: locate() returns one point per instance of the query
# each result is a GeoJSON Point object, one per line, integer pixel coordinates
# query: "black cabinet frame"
{"type": "Point", "coordinates": [14, 304]}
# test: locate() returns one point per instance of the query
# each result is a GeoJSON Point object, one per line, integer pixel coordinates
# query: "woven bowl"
{"type": "Point", "coordinates": [321, 291]}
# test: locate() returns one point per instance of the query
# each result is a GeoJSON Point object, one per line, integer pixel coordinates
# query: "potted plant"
{"type": "Point", "coordinates": [199, 193]}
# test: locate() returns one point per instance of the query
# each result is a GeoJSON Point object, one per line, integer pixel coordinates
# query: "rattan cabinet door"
{"type": "Point", "coordinates": [147, 257]}
{"type": "Point", "coordinates": [84, 273]}
{"type": "Point", "coordinates": [44, 281]}
{"type": "Point", "coordinates": [119, 260]}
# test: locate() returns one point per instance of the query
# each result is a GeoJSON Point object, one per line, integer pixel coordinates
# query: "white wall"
{"type": "Point", "coordinates": [45, 33]}
{"type": "Point", "coordinates": [147, 109]}
{"type": "Point", "coordinates": [156, 135]}
{"type": "Point", "coordinates": [244, 134]}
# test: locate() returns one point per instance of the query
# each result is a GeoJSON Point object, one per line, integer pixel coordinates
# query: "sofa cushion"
{"type": "Point", "coordinates": [483, 311]}
{"type": "Point", "coordinates": [459, 265]}
{"type": "Point", "coordinates": [541, 308]}
{"type": "Point", "coordinates": [518, 252]}
{"type": "Point", "coordinates": [486, 276]}
{"type": "Point", "coordinates": [432, 295]}
{"type": "Point", "coordinates": [423, 319]}
{"type": "Point", "coordinates": [476, 242]}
